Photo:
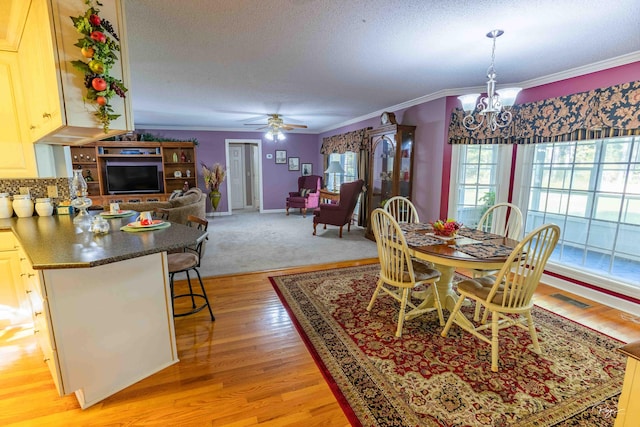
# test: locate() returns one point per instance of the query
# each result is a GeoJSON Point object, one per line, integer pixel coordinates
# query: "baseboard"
{"type": "Point", "coordinates": [593, 295]}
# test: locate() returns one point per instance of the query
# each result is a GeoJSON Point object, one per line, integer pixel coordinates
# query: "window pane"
{"type": "Point", "coordinates": [592, 190]}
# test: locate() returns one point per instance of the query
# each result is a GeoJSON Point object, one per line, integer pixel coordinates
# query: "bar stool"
{"type": "Point", "coordinates": [188, 260]}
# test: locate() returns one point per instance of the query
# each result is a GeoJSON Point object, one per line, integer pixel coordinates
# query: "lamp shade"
{"type": "Point", "coordinates": [334, 167]}
{"type": "Point", "coordinates": [508, 95]}
{"type": "Point", "coordinates": [469, 101]}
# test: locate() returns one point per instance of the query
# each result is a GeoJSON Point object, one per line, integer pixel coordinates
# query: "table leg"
{"type": "Point", "coordinates": [448, 297]}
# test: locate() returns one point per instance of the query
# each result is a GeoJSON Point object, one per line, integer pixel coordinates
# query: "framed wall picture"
{"type": "Point", "coordinates": [294, 163]}
{"type": "Point", "coordinates": [281, 157]}
{"type": "Point", "coordinates": [307, 169]}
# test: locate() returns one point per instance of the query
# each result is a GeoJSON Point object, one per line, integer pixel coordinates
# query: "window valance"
{"type": "Point", "coordinates": [598, 113]}
{"type": "Point", "coordinates": [350, 141]}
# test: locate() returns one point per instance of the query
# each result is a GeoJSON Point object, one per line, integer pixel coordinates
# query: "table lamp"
{"type": "Point", "coordinates": [334, 168]}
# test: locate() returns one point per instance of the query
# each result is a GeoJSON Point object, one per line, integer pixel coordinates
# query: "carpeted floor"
{"type": "Point", "coordinates": [424, 379]}
{"type": "Point", "coordinates": [251, 241]}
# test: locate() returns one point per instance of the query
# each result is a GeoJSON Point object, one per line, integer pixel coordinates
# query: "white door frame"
{"type": "Point", "coordinates": [258, 143]}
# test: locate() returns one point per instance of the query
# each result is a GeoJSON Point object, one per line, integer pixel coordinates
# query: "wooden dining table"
{"type": "Point", "coordinates": [470, 249]}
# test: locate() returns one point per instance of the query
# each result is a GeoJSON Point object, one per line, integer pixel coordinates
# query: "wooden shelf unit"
{"type": "Point", "coordinates": [177, 162]}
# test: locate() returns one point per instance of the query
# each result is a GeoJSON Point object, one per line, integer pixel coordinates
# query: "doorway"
{"type": "Point", "coordinates": [244, 166]}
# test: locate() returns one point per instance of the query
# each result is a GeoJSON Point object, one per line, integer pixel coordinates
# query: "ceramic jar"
{"type": "Point", "coordinates": [6, 209]}
{"type": "Point", "coordinates": [44, 207]}
{"type": "Point", "coordinates": [22, 205]}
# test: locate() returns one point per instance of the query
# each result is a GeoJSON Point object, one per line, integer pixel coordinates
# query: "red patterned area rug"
{"type": "Point", "coordinates": [423, 379]}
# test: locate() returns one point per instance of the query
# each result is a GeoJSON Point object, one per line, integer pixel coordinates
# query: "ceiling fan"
{"type": "Point", "coordinates": [275, 124]}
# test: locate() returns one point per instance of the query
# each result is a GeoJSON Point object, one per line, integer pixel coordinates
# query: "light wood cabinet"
{"type": "Point", "coordinates": [18, 154]}
{"type": "Point", "coordinates": [176, 160]}
{"type": "Point", "coordinates": [53, 88]}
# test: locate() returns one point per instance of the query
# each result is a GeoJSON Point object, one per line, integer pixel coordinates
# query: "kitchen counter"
{"type": "Point", "coordinates": [54, 242]}
{"type": "Point", "coordinates": [102, 304]}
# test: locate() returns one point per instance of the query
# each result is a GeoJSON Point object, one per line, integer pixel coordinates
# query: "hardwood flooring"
{"type": "Point", "coordinates": [247, 368]}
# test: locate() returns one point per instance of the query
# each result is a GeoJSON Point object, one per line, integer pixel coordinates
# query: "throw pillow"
{"type": "Point", "coordinates": [304, 192]}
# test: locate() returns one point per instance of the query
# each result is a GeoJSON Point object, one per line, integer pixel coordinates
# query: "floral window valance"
{"type": "Point", "coordinates": [349, 141]}
{"type": "Point", "coordinates": [598, 113]}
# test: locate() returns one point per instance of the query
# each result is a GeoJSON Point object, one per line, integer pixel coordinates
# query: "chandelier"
{"type": "Point", "coordinates": [494, 107]}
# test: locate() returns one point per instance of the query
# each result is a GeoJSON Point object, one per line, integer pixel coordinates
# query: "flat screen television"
{"type": "Point", "coordinates": [133, 179]}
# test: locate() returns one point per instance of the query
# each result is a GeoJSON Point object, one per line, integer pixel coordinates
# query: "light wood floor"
{"type": "Point", "coordinates": [247, 368]}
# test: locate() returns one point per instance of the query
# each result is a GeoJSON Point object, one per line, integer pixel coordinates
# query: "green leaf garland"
{"type": "Point", "coordinates": [98, 44]}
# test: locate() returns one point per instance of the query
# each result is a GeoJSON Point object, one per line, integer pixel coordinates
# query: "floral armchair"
{"type": "Point", "coordinates": [339, 213]}
{"type": "Point", "coordinates": [308, 194]}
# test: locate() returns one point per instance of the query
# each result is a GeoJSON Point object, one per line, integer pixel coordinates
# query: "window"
{"type": "Point", "coordinates": [478, 180]}
{"type": "Point", "coordinates": [349, 162]}
{"type": "Point", "coordinates": [591, 189]}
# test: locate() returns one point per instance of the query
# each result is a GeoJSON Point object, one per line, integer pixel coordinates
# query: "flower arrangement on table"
{"type": "Point", "coordinates": [98, 45]}
{"type": "Point", "coordinates": [448, 228]}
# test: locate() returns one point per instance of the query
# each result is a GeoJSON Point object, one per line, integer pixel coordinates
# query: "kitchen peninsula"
{"type": "Point", "coordinates": [101, 303]}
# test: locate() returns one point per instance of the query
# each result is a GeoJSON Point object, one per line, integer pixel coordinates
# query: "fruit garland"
{"type": "Point", "coordinates": [98, 45]}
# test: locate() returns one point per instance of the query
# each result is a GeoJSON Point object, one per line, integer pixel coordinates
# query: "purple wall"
{"type": "Point", "coordinates": [277, 180]}
{"type": "Point", "coordinates": [432, 162]}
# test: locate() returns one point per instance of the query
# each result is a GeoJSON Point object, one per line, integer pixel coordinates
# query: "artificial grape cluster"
{"type": "Point", "coordinates": [117, 89]}
{"type": "Point", "coordinates": [109, 28]}
{"type": "Point", "coordinates": [88, 78]}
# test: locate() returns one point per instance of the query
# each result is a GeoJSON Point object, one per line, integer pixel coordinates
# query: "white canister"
{"type": "Point", "coordinates": [44, 206]}
{"type": "Point", "coordinates": [6, 209]}
{"type": "Point", "coordinates": [22, 205]}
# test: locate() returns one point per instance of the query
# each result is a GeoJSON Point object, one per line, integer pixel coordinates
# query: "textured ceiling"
{"type": "Point", "coordinates": [219, 64]}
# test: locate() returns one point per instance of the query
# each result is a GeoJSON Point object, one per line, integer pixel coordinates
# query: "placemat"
{"type": "Point", "coordinates": [415, 226]}
{"type": "Point", "coordinates": [420, 239]}
{"type": "Point", "coordinates": [485, 250]}
{"type": "Point", "coordinates": [478, 234]}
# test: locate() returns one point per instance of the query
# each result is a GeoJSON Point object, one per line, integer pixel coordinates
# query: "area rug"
{"type": "Point", "coordinates": [423, 379]}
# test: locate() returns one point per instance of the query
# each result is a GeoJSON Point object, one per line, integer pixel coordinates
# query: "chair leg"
{"type": "Point", "coordinates": [375, 295]}
{"type": "Point", "coordinates": [452, 316]}
{"type": "Point", "coordinates": [494, 341]}
{"type": "Point", "coordinates": [204, 294]}
{"type": "Point", "coordinates": [193, 300]}
{"type": "Point", "coordinates": [341, 232]}
{"type": "Point", "coordinates": [314, 228]}
{"type": "Point", "coordinates": [534, 335]}
{"type": "Point", "coordinates": [287, 210]}
{"type": "Point", "coordinates": [304, 212]}
{"type": "Point", "coordinates": [401, 313]}
{"type": "Point", "coordinates": [172, 294]}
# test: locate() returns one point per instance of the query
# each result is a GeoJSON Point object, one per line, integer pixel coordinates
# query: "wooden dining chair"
{"type": "Point", "coordinates": [402, 210]}
{"type": "Point", "coordinates": [399, 274]}
{"type": "Point", "coordinates": [186, 261]}
{"type": "Point", "coordinates": [503, 219]}
{"type": "Point", "coordinates": [509, 293]}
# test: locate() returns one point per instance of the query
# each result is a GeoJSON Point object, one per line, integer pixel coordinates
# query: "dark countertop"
{"type": "Point", "coordinates": [55, 242]}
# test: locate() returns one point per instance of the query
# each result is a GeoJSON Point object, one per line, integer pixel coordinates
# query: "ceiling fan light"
{"type": "Point", "coordinates": [281, 136]}
{"type": "Point", "coordinates": [508, 95]}
{"type": "Point", "coordinates": [269, 135]}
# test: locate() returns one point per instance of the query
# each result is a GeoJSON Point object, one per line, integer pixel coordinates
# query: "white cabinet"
{"type": "Point", "coordinates": [39, 310]}
{"type": "Point", "coordinates": [18, 156]}
{"type": "Point", "coordinates": [13, 300]}
{"type": "Point", "coordinates": [53, 88]}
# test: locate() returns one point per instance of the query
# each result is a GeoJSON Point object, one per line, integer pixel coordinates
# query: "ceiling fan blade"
{"type": "Point", "coordinates": [295, 126]}
{"type": "Point", "coordinates": [256, 124]}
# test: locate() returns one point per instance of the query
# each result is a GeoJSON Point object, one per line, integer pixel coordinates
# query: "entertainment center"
{"type": "Point", "coordinates": [135, 171]}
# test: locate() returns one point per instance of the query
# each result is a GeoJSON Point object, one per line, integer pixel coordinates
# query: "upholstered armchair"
{"type": "Point", "coordinates": [308, 194]}
{"type": "Point", "coordinates": [340, 213]}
